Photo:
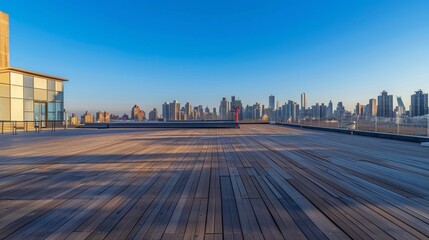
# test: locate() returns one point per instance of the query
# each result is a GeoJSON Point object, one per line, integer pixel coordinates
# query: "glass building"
{"type": "Point", "coordinates": [30, 96]}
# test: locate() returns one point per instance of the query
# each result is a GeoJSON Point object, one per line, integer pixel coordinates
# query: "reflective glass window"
{"type": "Point", "coordinates": [5, 109]}
{"type": "Point", "coordinates": [40, 83]}
{"type": "Point", "coordinates": [28, 93]}
{"type": "Point", "coordinates": [51, 107]}
{"type": "Point", "coordinates": [16, 79]}
{"type": "Point", "coordinates": [51, 116]}
{"type": "Point", "coordinates": [40, 94]}
{"type": "Point", "coordinates": [4, 90]}
{"type": "Point", "coordinates": [4, 78]}
{"type": "Point", "coordinates": [59, 107]}
{"type": "Point", "coordinates": [59, 96]}
{"type": "Point", "coordinates": [28, 81]}
{"type": "Point", "coordinates": [16, 91]}
{"type": "Point", "coordinates": [17, 109]}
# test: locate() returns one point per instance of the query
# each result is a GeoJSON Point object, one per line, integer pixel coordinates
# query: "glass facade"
{"type": "Point", "coordinates": [24, 97]}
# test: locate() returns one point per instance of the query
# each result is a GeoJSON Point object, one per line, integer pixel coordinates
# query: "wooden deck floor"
{"type": "Point", "coordinates": [257, 182]}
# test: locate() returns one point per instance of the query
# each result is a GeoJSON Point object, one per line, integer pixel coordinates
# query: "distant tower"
{"type": "Point", "coordinates": [419, 104]}
{"type": "Point", "coordinates": [385, 105]}
{"type": "Point", "coordinates": [372, 107]}
{"type": "Point", "coordinates": [303, 101]}
{"type": "Point", "coordinates": [223, 109]}
{"type": "Point", "coordinates": [4, 40]}
{"type": "Point", "coordinates": [272, 100]}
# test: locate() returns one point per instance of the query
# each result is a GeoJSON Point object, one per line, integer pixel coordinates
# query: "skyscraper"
{"type": "Point", "coordinates": [153, 115]}
{"type": "Point", "coordinates": [419, 104]}
{"type": "Point", "coordinates": [272, 102]}
{"type": "Point", "coordinates": [330, 110]}
{"type": "Point", "coordinates": [166, 111]}
{"type": "Point", "coordinates": [359, 109]}
{"type": "Point", "coordinates": [303, 101]}
{"type": "Point", "coordinates": [372, 110]}
{"type": "Point", "coordinates": [385, 105]}
{"type": "Point", "coordinates": [4, 40]}
{"type": "Point", "coordinates": [188, 111]}
{"type": "Point", "coordinates": [223, 109]}
{"type": "Point", "coordinates": [135, 112]}
{"type": "Point", "coordinates": [174, 111]}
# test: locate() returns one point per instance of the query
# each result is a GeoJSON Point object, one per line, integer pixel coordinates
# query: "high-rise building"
{"type": "Point", "coordinates": [385, 105]}
{"type": "Point", "coordinates": [153, 115]}
{"type": "Point", "coordinates": [74, 120]}
{"type": "Point", "coordinates": [372, 109]}
{"type": "Point", "coordinates": [340, 112]}
{"type": "Point", "coordinates": [330, 110]}
{"type": "Point", "coordinates": [87, 118]}
{"type": "Point", "coordinates": [214, 114]}
{"type": "Point", "coordinates": [166, 111]}
{"type": "Point", "coordinates": [278, 104]}
{"type": "Point", "coordinates": [323, 111]}
{"type": "Point", "coordinates": [188, 111]}
{"type": "Point", "coordinates": [271, 102]}
{"type": "Point", "coordinates": [135, 112]}
{"type": "Point", "coordinates": [224, 109]}
{"type": "Point", "coordinates": [290, 111]}
{"type": "Point", "coordinates": [419, 104]}
{"type": "Point", "coordinates": [401, 106]}
{"type": "Point", "coordinates": [174, 111]}
{"type": "Point", "coordinates": [103, 117]}
{"type": "Point", "coordinates": [4, 40]}
{"type": "Point", "coordinates": [359, 109]}
{"type": "Point", "coordinates": [303, 101]}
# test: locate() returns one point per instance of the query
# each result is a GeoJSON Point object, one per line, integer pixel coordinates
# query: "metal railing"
{"type": "Point", "coordinates": [37, 126]}
{"type": "Point", "coordinates": [418, 126]}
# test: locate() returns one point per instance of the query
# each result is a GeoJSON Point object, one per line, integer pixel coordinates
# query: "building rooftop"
{"type": "Point", "coordinates": [21, 70]}
{"type": "Point", "coordinates": [256, 182]}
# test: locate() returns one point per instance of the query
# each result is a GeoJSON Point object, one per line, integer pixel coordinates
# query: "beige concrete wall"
{"type": "Point", "coordinates": [4, 40]}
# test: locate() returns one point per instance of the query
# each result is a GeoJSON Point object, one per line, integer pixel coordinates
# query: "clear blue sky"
{"type": "Point", "coordinates": [120, 53]}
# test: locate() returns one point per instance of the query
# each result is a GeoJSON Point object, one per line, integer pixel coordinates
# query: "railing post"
{"type": "Point", "coordinates": [2, 127]}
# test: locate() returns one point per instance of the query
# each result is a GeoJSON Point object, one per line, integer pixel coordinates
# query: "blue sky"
{"type": "Point", "coordinates": [120, 53]}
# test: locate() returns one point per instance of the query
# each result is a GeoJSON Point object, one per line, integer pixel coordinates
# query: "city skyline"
{"type": "Point", "coordinates": [346, 53]}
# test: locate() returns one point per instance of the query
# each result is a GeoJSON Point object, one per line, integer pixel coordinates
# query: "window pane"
{"type": "Point", "coordinates": [17, 107]}
{"type": "Point", "coordinates": [4, 90]}
{"type": "Point", "coordinates": [28, 116]}
{"type": "Point", "coordinates": [40, 83]}
{"type": "Point", "coordinates": [51, 96]}
{"type": "Point", "coordinates": [51, 116]}
{"type": "Point", "coordinates": [28, 93]}
{"type": "Point", "coordinates": [5, 109]}
{"type": "Point", "coordinates": [40, 94]}
{"type": "Point", "coordinates": [59, 96]}
{"type": "Point", "coordinates": [51, 107]}
{"type": "Point", "coordinates": [28, 81]}
{"type": "Point", "coordinates": [4, 78]}
{"type": "Point", "coordinates": [28, 105]}
{"type": "Point", "coordinates": [59, 86]}
{"type": "Point", "coordinates": [59, 107]}
{"type": "Point", "coordinates": [51, 85]}
{"type": "Point", "coordinates": [16, 91]}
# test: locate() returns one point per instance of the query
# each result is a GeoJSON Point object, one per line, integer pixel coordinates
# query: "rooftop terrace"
{"type": "Point", "coordinates": [256, 182]}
